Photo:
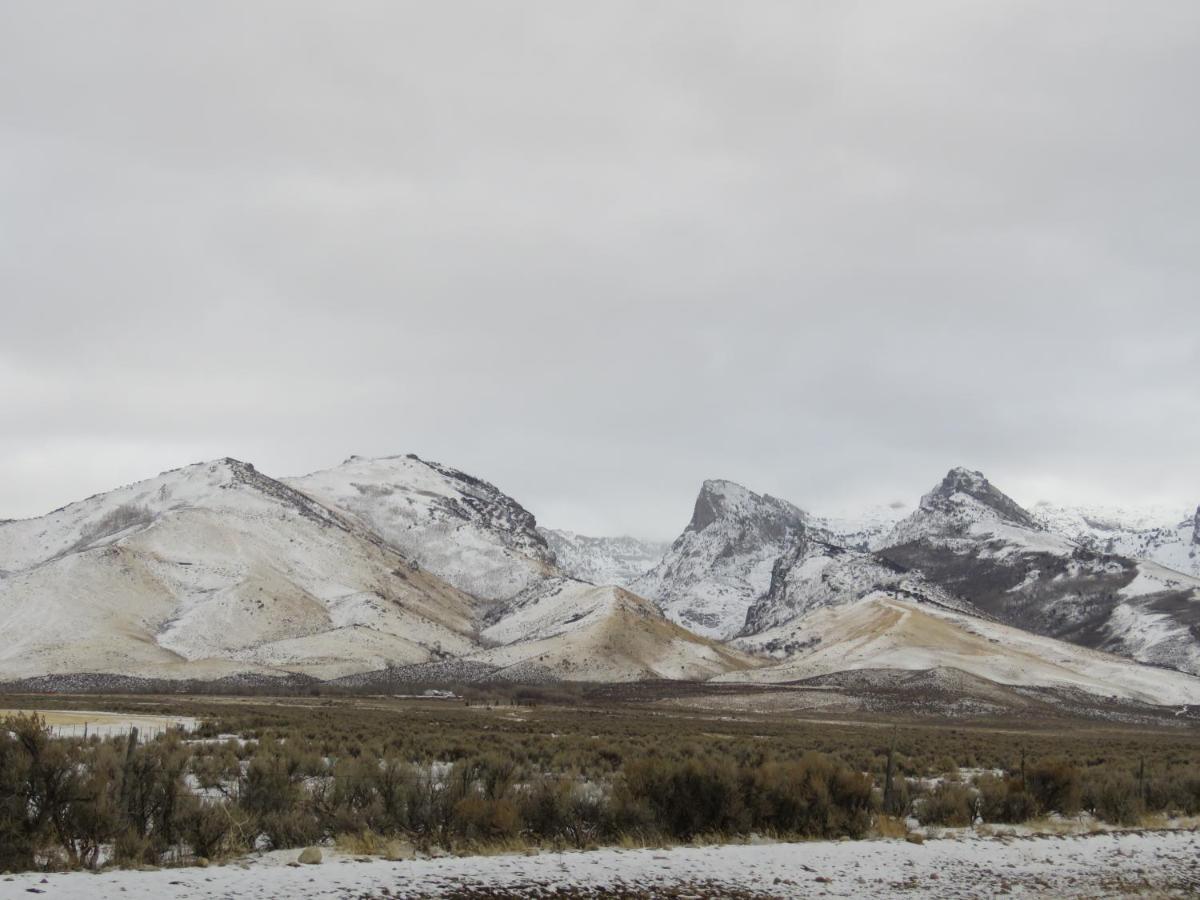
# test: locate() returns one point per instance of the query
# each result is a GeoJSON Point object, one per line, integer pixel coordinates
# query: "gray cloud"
{"type": "Point", "coordinates": [598, 253]}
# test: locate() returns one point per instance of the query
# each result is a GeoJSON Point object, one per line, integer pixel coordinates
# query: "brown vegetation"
{"type": "Point", "coordinates": [378, 772]}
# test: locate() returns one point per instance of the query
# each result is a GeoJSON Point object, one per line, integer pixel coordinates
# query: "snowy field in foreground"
{"type": "Point", "coordinates": [1106, 865]}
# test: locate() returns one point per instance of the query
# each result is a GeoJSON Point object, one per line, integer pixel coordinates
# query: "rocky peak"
{"type": "Point", "coordinates": [960, 482]}
{"type": "Point", "coordinates": [726, 502]}
{"type": "Point", "coordinates": [722, 561]}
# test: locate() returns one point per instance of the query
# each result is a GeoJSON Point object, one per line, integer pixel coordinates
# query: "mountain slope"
{"type": "Point", "coordinates": [722, 562]}
{"type": "Point", "coordinates": [862, 530]}
{"type": "Point", "coordinates": [977, 544]}
{"type": "Point", "coordinates": [580, 632]}
{"type": "Point", "coordinates": [1170, 538]}
{"type": "Point", "coordinates": [817, 574]}
{"type": "Point", "coordinates": [462, 529]}
{"type": "Point", "coordinates": [881, 632]}
{"type": "Point", "coordinates": [212, 569]}
{"type": "Point", "coordinates": [603, 560]}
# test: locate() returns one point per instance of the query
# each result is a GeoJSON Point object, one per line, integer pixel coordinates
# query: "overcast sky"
{"type": "Point", "coordinates": [595, 253]}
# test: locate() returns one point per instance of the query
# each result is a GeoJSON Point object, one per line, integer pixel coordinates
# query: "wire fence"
{"type": "Point", "coordinates": [146, 731]}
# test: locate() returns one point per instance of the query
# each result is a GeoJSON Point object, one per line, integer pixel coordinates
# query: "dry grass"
{"type": "Point", "coordinates": [363, 843]}
{"type": "Point", "coordinates": [889, 827]}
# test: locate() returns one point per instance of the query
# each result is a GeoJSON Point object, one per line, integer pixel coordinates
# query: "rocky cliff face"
{"type": "Point", "coordinates": [722, 562]}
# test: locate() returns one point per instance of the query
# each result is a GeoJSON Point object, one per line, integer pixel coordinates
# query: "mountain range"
{"type": "Point", "coordinates": [406, 569]}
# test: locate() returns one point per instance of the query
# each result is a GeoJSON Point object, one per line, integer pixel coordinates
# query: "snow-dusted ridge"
{"type": "Point", "coordinates": [463, 529]}
{"type": "Point", "coordinates": [1167, 536]}
{"type": "Point", "coordinates": [580, 632]}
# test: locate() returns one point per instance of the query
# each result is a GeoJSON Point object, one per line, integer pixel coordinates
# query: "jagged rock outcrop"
{"type": "Point", "coordinates": [722, 562]}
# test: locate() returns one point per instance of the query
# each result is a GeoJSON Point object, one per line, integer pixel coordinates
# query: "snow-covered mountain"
{"type": "Point", "coordinates": [401, 565]}
{"type": "Point", "coordinates": [215, 569]}
{"type": "Point", "coordinates": [603, 560]}
{"type": "Point", "coordinates": [1169, 537]}
{"type": "Point", "coordinates": [974, 542]}
{"type": "Point", "coordinates": [713, 572]}
{"type": "Point", "coordinates": [464, 530]}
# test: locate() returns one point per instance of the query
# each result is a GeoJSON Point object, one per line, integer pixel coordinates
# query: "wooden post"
{"type": "Point", "coordinates": [887, 778]}
{"type": "Point", "coordinates": [127, 775]}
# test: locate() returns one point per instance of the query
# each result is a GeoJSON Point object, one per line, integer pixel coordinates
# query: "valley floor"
{"type": "Point", "coordinates": [1156, 864]}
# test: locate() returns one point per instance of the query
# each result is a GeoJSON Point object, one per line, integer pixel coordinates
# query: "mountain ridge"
{"type": "Point", "coordinates": [374, 567]}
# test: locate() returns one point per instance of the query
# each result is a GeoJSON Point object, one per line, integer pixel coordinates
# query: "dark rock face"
{"type": "Point", "coordinates": [486, 504]}
{"type": "Point", "coordinates": [245, 473]}
{"type": "Point", "coordinates": [1196, 529]}
{"type": "Point", "coordinates": [1063, 597]}
{"type": "Point", "coordinates": [1041, 581]}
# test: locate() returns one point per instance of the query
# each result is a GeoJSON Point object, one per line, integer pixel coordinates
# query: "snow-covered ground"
{"type": "Point", "coordinates": [1160, 864]}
